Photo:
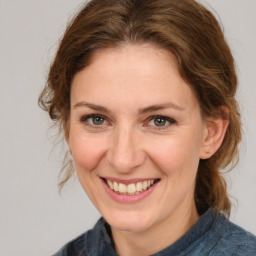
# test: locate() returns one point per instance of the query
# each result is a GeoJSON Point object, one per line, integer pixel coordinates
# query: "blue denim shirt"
{"type": "Point", "coordinates": [212, 235]}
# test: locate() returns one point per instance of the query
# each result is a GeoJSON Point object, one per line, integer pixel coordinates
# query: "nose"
{"type": "Point", "coordinates": [125, 152]}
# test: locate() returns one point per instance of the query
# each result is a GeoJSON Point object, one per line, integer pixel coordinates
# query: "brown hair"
{"type": "Point", "coordinates": [192, 34]}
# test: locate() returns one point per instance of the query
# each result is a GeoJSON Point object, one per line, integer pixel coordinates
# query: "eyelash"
{"type": "Point", "coordinates": [165, 118]}
{"type": "Point", "coordinates": [85, 119]}
{"type": "Point", "coordinates": [171, 121]}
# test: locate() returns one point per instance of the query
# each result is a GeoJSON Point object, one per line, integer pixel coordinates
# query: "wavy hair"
{"type": "Point", "coordinates": [186, 29]}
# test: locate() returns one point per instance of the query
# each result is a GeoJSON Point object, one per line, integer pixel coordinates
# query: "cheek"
{"type": "Point", "coordinates": [177, 155]}
{"type": "Point", "coordinates": [87, 151]}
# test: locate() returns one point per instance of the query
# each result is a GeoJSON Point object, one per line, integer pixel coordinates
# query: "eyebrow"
{"type": "Point", "coordinates": [91, 106]}
{"type": "Point", "coordinates": [148, 109]}
{"type": "Point", "coordinates": [160, 107]}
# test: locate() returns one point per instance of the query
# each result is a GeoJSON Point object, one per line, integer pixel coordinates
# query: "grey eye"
{"type": "Point", "coordinates": [96, 120]}
{"type": "Point", "coordinates": [159, 121]}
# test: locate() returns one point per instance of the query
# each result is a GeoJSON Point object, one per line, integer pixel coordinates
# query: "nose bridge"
{"type": "Point", "coordinates": [125, 153]}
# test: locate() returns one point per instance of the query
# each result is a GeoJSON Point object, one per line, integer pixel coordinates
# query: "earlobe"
{"type": "Point", "coordinates": [215, 130]}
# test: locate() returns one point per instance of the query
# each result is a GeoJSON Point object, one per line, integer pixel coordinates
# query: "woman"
{"type": "Point", "coordinates": [145, 94]}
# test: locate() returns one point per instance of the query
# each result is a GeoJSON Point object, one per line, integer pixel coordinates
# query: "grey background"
{"type": "Point", "coordinates": [34, 219]}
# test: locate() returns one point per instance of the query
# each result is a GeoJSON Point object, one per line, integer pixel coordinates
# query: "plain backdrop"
{"type": "Point", "coordinates": [34, 219]}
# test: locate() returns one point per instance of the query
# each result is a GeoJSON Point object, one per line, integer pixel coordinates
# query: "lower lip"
{"type": "Point", "coordinates": [123, 198]}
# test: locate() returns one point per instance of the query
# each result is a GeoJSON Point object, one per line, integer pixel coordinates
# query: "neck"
{"type": "Point", "coordinates": [157, 237]}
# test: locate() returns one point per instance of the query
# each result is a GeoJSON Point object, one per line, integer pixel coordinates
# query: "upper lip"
{"type": "Point", "coordinates": [128, 181]}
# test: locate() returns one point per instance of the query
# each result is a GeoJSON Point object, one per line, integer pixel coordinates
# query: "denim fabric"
{"type": "Point", "coordinates": [212, 235]}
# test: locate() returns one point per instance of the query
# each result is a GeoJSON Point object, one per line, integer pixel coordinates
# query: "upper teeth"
{"type": "Point", "coordinates": [130, 189]}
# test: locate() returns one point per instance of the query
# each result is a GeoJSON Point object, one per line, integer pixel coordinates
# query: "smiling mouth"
{"type": "Point", "coordinates": [132, 188]}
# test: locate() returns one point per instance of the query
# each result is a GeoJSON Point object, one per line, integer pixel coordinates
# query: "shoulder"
{"type": "Point", "coordinates": [87, 243]}
{"type": "Point", "coordinates": [77, 246]}
{"type": "Point", "coordinates": [74, 247]}
{"type": "Point", "coordinates": [234, 240]}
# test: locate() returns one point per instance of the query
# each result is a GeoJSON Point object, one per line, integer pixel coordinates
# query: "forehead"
{"type": "Point", "coordinates": [135, 74]}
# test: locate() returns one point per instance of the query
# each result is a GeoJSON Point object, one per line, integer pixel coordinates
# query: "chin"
{"type": "Point", "coordinates": [130, 222]}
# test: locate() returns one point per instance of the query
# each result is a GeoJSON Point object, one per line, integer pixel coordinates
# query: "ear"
{"type": "Point", "coordinates": [214, 133]}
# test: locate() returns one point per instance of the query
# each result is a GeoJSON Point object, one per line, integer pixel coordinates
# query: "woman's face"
{"type": "Point", "coordinates": [136, 136]}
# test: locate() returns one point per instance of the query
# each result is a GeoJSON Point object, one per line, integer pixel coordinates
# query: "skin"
{"type": "Point", "coordinates": [121, 85]}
